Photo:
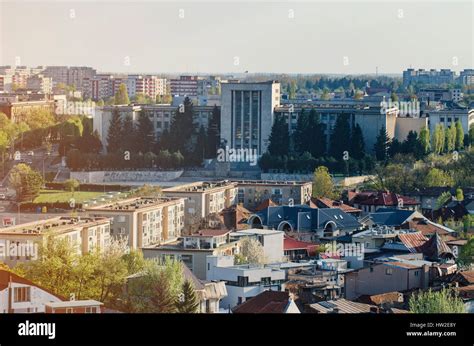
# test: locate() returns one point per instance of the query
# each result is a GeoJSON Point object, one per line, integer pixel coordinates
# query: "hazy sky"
{"type": "Point", "coordinates": [263, 36]}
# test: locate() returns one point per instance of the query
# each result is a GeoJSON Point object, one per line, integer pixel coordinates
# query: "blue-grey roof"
{"type": "Point", "coordinates": [390, 217]}
{"type": "Point", "coordinates": [306, 218]}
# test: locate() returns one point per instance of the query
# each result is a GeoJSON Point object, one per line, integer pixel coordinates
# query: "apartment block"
{"type": "Point", "coordinates": [204, 198]}
{"type": "Point", "coordinates": [144, 221]}
{"type": "Point", "coordinates": [85, 233]}
{"type": "Point", "coordinates": [184, 86]}
{"type": "Point", "coordinates": [40, 83]}
{"type": "Point", "coordinates": [252, 193]}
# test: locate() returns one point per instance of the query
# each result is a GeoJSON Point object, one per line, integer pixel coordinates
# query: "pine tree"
{"type": "Point", "coordinates": [182, 129]}
{"type": "Point", "coordinates": [315, 136]}
{"type": "Point", "coordinates": [200, 148]}
{"type": "Point", "coordinates": [412, 145]}
{"type": "Point", "coordinates": [114, 136]}
{"type": "Point", "coordinates": [145, 134]}
{"type": "Point", "coordinates": [163, 300]}
{"type": "Point", "coordinates": [121, 97]}
{"type": "Point", "coordinates": [128, 134]}
{"type": "Point", "coordinates": [340, 137]}
{"type": "Point", "coordinates": [188, 302]}
{"type": "Point", "coordinates": [213, 131]}
{"type": "Point", "coordinates": [382, 143]}
{"type": "Point", "coordinates": [459, 136]}
{"type": "Point", "coordinates": [300, 135]}
{"type": "Point", "coordinates": [279, 140]}
{"type": "Point", "coordinates": [357, 143]}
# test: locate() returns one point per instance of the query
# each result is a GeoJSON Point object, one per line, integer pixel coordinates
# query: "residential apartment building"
{"type": "Point", "coordinates": [148, 85]}
{"type": "Point", "coordinates": [98, 87]}
{"type": "Point", "coordinates": [84, 233]}
{"type": "Point", "coordinates": [73, 76]}
{"type": "Point", "coordinates": [184, 86]}
{"type": "Point", "coordinates": [144, 221]}
{"type": "Point", "coordinates": [242, 281]}
{"type": "Point", "coordinates": [40, 83]}
{"type": "Point", "coordinates": [434, 77]}
{"type": "Point", "coordinates": [251, 193]}
{"type": "Point", "coordinates": [466, 76]}
{"type": "Point", "coordinates": [247, 114]}
{"type": "Point", "coordinates": [193, 249]}
{"type": "Point", "coordinates": [204, 198]}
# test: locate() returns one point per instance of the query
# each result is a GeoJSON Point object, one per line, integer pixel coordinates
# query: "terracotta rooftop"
{"type": "Point", "coordinates": [425, 227]}
{"type": "Point", "coordinates": [413, 241]}
{"type": "Point", "coordinates": [265, 302]}
{"type": "Point", "coordinates": [265, 204]}
{"type": "Point", "coordinates": [324, 202]}
{"type": "Point", "coordinates": [382, 198]}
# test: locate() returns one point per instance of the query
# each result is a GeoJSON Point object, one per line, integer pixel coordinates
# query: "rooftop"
{"type": "Point", "coordinates": [200, 186]}
{"type": "Point", "coordinates": [265, 302]}
{"type": "Point", "coordinates": [57, 224]}
{"type": "Point", "coordinates": [136, 203]}
{"type": "Point", "coordinates": [271, 182]}
{"type": "Point", "coordinates": [74, 303]}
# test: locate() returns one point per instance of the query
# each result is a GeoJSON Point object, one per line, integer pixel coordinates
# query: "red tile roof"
{"type": "Point", "coordinates": [329, 203]}
{"type": "Point", "coordinates": [235, 217]}
{"type": "Point", "coordinates": [265, 302]}
{"type": "Point", "coordinates": [424, 227]}
{"type": "Point", "coordinates": [7, 276]}
{"type": "Point", "coordinates": [265, 204]}
{"type": "Point", "coordinates": [293, 244]}
{"type": "Point", "coordinates": [382, 198]}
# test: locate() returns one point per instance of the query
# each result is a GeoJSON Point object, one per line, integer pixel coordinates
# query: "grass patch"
{"type": "Point", "coordinates": [52, 196]}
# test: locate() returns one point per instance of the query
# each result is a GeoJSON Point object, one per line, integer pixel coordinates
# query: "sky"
{"type": "Point", "coordinates": [284, 36]}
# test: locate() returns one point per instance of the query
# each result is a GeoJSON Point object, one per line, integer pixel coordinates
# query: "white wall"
{"type": "Point", "coordinates": [38, 299]}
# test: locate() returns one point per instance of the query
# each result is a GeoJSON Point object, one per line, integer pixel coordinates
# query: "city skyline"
{"type": "Point", "coordinates": [318, 38]}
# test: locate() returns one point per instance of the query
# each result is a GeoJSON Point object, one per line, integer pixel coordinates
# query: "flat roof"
{"type": "Point", "coordinates": [200, 186]}
{"type": "Point", "coordinates": [57, 224]}
{"type": "Point", "coordinates": [256, 231]}
{"type": "Point", "coordinates": [133, 204]}
{"type": "Point", "coordinates": [74, 303]}
{"type": "Point", "coordinates": [272, 182]}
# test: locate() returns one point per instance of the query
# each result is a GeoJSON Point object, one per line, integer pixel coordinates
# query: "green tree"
{"type": "Point", "coordinates": [213, 131]}
{"type": "Point", "coordinates": [71, 185]}
{"type": "Point", "coordinates": [357, 143]}
{"type": "Point", "coordinates": [114, 136]}
{"type": "Point", "coordinates": [300, 135]}
{"type": "Point", "coordinates": [441, 302]}
{"type": "Point", "coordinates": [121, 96]}
{"type": "Point", "coordinates": [279, 140]}
{"type": "Point", "coordinates": [129, 135]}
{"type": "Point", "coordinates": [340, 137]}
{"type": "Point", "coordinates": [438, 139]}
{"type": "Point", "coordinates": [442, 199]}
{"type": "Point", "coordinates": [425, 139]}
{"type": "Point", "coordinates": [437, 177]}
{"type": "Point", "coordinates": [323, 185]}
{"type": "Point", "coordinates": [466, 257]}
{"type": "Point", "coordinates": [145, 134]}
{"type": "Point", "coordinates": [382, 144]}
{"type": "Point", "coordinates": [26, 182]}
{"type": "Point", "coordinates": [292, 90]}
{"type": "Point", "coordinates": [450, 138]}
{"type": "Point", "coordinates": [459, 135]}
{"type": "Point", "coordinates": [459, 194]}
{"type": "Point", "coordinates": [188, 302]}
{"type": "Point", "coordinates": [471, 135]}
{"type": "Point", "coordinates": [315, 137]}
{"type": "Point", "coordinates": [182, 130]}
{"type": "Point", "coordinates": [412, 145]}
{"type": "Point", "coordinates": [200, 147]}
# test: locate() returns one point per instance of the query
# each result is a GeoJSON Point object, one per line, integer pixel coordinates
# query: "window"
{"type": "Point", "coordinates": [188, 260]}
{"type": "Point", "coordinates": [388, 271]}
{"type": "Point", "coordinates": [89, 310]}
{"type": "Point", "coordinates": [242, 281]}
{"type": "Point", "coordinates": [21, 294]}
{"type": "Point", "coordinates": [69, 310]}
{"type": "Point", "coordinates": [417, 273]}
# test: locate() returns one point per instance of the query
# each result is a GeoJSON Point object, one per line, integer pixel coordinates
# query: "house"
{"type": "Point", "coordinates": [390, 299]}
{"type": "Point", "coordinates": [429, 228]}
{"type": "Point", "coordinates": [304, 222]}
{"type": "Point", "coordinates": [343, 306]}
{"type": "Point", "coordinates": [393, 274]}
{"type": "Point", "coordinates": [193, 249]}
{"type": "Point", "coordinates": [324, 202]}
{"type": "Point", "coordinates": [235, 217]}
{"type": "Point", "coordinates": [371, 201]}
{"type": "Point", "coordinates": [242, 281]}
{"type": "Point", "coordinates": [436, 249]}
{"type": "Point", "coordinates": [268, 302]}
{"type": "Point", "coordinates": [271, 240]}
{"type": "Point", "coordinates": [428, 197]}
{"type": "Point", "coordinates": [20, 295]}
{"type": "Point", "coordinates": [390, 217]}
{"type": "Point", "coordinates": [296, 250]}
{"type": "Point", "coordinates": [75, 307]}
{"type": "Point", "coordinates": [209, 293]}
